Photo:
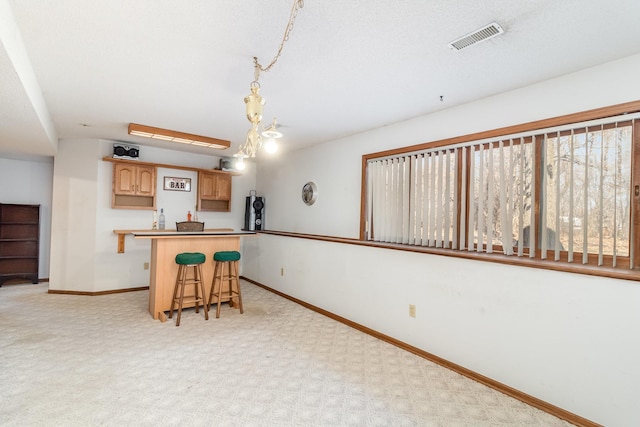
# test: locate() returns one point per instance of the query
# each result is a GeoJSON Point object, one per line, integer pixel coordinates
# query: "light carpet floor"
{"type": "Point", "coordinates": [68, 360]}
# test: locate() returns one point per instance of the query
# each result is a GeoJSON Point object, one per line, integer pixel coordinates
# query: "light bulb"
{"type": "Point", "coordinates": [240, 164]}
{"type": "Point", "coordinates": [270, 146]}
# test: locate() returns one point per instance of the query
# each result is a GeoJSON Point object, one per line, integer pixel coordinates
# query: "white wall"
{"type": "Point", "coordinates": [29, 182]}
{"type": "Point", "coordinates": [571, 340]}
{"type": "Point", "coordinates": [82, 236]}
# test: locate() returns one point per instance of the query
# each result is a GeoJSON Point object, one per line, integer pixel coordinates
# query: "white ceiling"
{"type": "Point", "coordinates": [87, 68]}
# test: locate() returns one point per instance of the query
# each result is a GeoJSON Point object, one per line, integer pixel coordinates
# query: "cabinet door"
{"type": "Point", "coordinates": [146, 180]}
{"type": "Point", "coordinates": [214, 192]}
{"type": "Point", "coordinates": [124, 178]}
{"type": "Point", "coordinates": [207, 186]}
{"type": "Point", "coordinates": [223, 187]}
{"type": "Point", "coordinates": [134, 186]}
{"type": "Point", "coordinates": [214, 186]}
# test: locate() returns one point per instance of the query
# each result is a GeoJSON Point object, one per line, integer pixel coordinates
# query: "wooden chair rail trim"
{"type": "Point", "coordinates": [503, 388]}
{"type": "Point", "coordinates": [591, 270]}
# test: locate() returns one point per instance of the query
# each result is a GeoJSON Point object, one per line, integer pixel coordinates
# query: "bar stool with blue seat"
{"type": "Point", "coordinates": [230, 259]}
{"type": "Point", "coordinates": [184, 261]}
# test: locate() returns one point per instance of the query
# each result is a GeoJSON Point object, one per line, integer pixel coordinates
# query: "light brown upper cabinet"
{"type": "Point", "coordinates": [214, 191]}
{"type": "Point", "coordinates": [134, 186]}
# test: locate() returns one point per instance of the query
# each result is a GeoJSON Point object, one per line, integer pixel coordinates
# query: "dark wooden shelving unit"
{"type": "Point", "coordinates": [19, 242]}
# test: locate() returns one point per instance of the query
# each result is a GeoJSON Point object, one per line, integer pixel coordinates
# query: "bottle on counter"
{"type": "Point", "coordinates": [189, 216]}
{"type": "Point", "coordinates": [154, 225]}
{"type": "Point", "coordinates": [161, 219]}
{"type": "Point", "coordinates": [195, 214]}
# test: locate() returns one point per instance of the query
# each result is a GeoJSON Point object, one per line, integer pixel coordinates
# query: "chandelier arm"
{"type": "Point", "coordinates": [297, 5]}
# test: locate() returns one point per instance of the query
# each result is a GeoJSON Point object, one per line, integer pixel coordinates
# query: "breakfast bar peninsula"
{"type": "Point", "coordinates": [165, 245]}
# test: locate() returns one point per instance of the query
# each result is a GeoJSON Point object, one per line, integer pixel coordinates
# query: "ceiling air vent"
{"type": "Point", "coordinates": [484, 33]}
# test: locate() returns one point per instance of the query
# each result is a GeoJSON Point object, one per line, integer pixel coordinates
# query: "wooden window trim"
{"type": "Point", "coordinates": [622, 271]}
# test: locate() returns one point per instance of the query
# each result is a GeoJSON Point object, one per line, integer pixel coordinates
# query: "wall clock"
{"type": "Point", "coordinates": [309, 193]}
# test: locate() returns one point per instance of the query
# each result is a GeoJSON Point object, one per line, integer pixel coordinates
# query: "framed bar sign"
{"type": "Point", "coordinates": [177, 184]}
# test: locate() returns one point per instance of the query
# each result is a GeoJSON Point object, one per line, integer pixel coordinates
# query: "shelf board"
{"type": "Point", "coordinates": [163, 165]}
{"type": "Point", "coordinates": [19, 257]}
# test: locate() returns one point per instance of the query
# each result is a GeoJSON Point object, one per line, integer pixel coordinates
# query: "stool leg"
{"type": "Point", "coordinates": [196, 297]}
{"type": "Point", "coordinates": [183, 279]}
{"type": "Point", "coordinates": [213, 285]}
{"type": "Point", "coordinates": [237, 278]}
{"type": "Point", "coordinates": [220, 280]}
{"type": "Point", "coordinates": [175, 291]}
{"type": "Point", "coordinates": [204, 295]}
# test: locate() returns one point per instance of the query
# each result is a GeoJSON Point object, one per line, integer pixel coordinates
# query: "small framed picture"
{"type": "Point", "coordinates": [177, 184]}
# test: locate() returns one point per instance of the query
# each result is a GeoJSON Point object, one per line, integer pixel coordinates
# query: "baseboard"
{"type": "Point", "coordinates": [503, 388]}
{"type": "Point", "coordinates": [114, 291]}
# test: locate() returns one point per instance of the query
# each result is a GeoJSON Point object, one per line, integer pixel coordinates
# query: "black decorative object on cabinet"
{"type": "Point", "coordinates": [19, 242]}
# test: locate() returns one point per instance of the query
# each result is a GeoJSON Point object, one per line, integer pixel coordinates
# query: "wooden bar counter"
{"type": "Point", "coordinates": [165, 245]}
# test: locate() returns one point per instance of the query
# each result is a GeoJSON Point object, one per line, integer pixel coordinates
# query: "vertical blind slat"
{"type": "Point", "coordinates": [377, 202]}
{"type": "Point", "coordinates": [503, 198]}
{"type": "Point", "coordinates": [387, 200]}
{"type": "Point", "coordinates": [490, 199]}
{"type": "Point", "coordinates": [615, 198]}
{"type": "Point", "coordinates": [463, 198]}
{"type": "Point", "coordinates": [532, 226]}
{"type": "Point", "coordinates": [454, 208]}
{"type": "Point", "coordinates": [472, 201]}
{"type": "Point", "coordinates": [585, 203]}
{"type": "Point", "coordinates": [556, 243]}
{"type": "Point", "coordinates": [632, 231]}
{"type": "Point", "coordinates": [521, 199]}
{"type": "Point", "coordinates": [412, 201]}
{"type": "Point", "coordinates": [571, 179]}
{"type": "Point", "coordinates": [556, 193]}
{"type": "Point", "coordinates": [439, 198]}
{"type": "Point", "coordinates": [397, 231]}
{"type": "Point", "coordinates": [507, 241]}
{"type": "Point", "coordinates": [447, 201]}
{"type": "Point", "coordinates": [545, 201]}
{"type": "Point", "coordinates": [425, 199]}
{"type": "Point", "coordinates": [601, 199]}
{"type": "Point", "coordinates": [397, 202]}
{"type": "Point", "coordinates": [432, 200]}
{"type": "Point", "coordinates": [481, 197]}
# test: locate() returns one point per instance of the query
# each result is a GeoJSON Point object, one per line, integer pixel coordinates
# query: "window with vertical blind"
{"type": "Point", "coordinates": [560, 190]}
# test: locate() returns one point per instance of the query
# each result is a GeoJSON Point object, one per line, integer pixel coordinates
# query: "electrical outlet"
{"type": "Point", "coordinates": [412, 310]}
{"type": "Point", "coordinates": [282, 271]}
{"type": "Point", "coordinates": [146, 265]}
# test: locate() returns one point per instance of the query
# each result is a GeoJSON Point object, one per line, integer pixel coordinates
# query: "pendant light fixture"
{"type": "Point", "coordinates": [255, 103]}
